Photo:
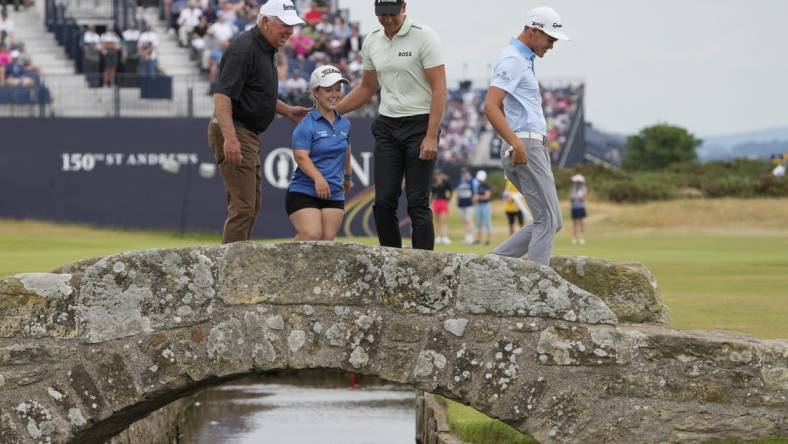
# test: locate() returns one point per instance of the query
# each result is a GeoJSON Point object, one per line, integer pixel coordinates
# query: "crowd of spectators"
{"type": "Point", "coordinates": [207, 26]}
{"type": "Point", "coordinates": [132, 53]}
{"type": "Point", "coordinates": [560, 105]}
{"type": "Point", "coordinates": [16, 65]}
{"type": "Point", "coordinates": [464, 122]}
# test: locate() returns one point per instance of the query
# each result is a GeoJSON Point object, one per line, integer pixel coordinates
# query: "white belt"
{"type": "Point", "coordinates": [531, 135]}
{"type": "Point", "coordinates": [524, 135]}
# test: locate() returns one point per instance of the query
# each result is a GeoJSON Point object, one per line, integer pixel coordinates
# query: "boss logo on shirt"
{"type": "Point", "coordinates": [322, 134]}
{"type": "Point", "coordinates": [406, 53]}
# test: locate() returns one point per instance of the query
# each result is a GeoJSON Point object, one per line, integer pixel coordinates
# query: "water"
{"type": "Point", "coordinates": [308, 408]}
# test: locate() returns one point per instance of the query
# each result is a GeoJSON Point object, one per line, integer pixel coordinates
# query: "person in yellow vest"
{"type": "Point", "coordinates": [516, 207]}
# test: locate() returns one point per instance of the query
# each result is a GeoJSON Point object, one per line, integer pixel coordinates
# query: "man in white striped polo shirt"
{"type": "Point", "coordinates": [403, 60]}
{"type": "Point", "coordinates": [514, 108]}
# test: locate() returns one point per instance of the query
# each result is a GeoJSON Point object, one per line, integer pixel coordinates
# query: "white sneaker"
{"type": "Point", "coordinates": [446, 240]}
{"type": "Point", "coordinates": [438, 240]}
{"type": "Point", "coordinates": [574, 241]}
{"type": "Point", "coordinates": [582, 241]}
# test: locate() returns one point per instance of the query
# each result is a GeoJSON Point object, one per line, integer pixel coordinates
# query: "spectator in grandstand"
{"type": "Point", "coordinates": [245, 103]}
{"type": "Point", "coordinates": [336, 53]}
{"type": "Point", "coordinates": [110, 51]}
{"type": "Point", "coordinates": [131, 34]}
{"type": "Point", "coordinates": [129, 49]}
{"type": "Point", "coordinates": [16, 74]}
{"type": "Point", "coordinates": [341, 29]}
{"type": "Point", "coordinates": [315, 200]}
{"type": "Point", "coordinates": [148, 48]}
{"type": "Point", "coordinates": [213, 64]}
{"type": "Point", "coordinates": [354, 41]}
{"type": "Point", "coordinates": [296, 85]}
{"type": "Point", "coordinates": [320, 47]}
{"type": "Point", "coordinates": [188, 19]}
{"type": "Point", "coordinates": [5, 54]}
{"type": "Point", "coordinates": [300, 43]}
{"type": "Point", "coordinates": [5, 59]}
{"type": "Point", "coordinates": [483, 209]}
{"type": "Point", "coordinates": [466, 199]}
{"type": "Point", "coordinates": [578, 196]}
{"type": "Point", "coordinates": [222, 30]}
{"type": "Point", "coordinates": [441, 194]}
{"type": "Point", "coordinates": [406, 132]}
{"type": "Point", "coordinates": [198, 43]}
{"type": "Point", "coordinates": [91, 50]}
{"type": "Point", "coordinates": [314, 14]}
{"type": "Point", "coordinates": [513, 109]}
{"type": "Point", "coordinates": [26, 60]}
{"type": "Point", "coordinates": [7, 31]}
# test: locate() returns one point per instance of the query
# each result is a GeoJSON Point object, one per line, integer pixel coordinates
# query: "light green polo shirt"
{"type": "Point", "coordinates": [400, 64]}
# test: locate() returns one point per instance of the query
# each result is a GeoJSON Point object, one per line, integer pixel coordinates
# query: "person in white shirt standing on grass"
{"type": "Point", "coordinates": [514, 108]}
{"type": "Point", "coordinates": [402, 59]}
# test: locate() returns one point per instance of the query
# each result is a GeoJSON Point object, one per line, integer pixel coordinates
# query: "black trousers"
{"type": "Point", "coordinates": [397, 147]}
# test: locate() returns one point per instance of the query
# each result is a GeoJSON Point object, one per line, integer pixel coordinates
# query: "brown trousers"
{"type": "Point", "coordinates": [241, 182]}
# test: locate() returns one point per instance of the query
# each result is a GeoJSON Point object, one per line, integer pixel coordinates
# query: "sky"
{"type": "Point", "coordinates": [715, 67]}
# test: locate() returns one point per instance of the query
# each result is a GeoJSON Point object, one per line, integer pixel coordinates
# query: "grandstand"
{"type": "Point", "coordinates": [159, 58]}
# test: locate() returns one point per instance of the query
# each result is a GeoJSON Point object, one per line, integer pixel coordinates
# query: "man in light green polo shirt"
{"type": "Point", "coordinates": [402, 59]}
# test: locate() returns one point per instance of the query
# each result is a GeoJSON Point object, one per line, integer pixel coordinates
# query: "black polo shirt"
{"type": "Point", "coordinates": [248, 76]}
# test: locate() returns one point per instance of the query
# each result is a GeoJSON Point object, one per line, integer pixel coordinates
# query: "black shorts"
{"type": "Point", "coordinates": [578, 213]}
{"type": "Point", "coordinates": [515, 216]}
{"type": "Point", "coordinates": [299, 201]}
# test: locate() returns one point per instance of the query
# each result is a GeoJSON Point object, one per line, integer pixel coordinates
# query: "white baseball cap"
{"type": "Point", "coordinates": [285, 10]}
{"type": "Point", "coordinates": [326, 76]}
{"type": "Point", "coordinates": [481, 175]}
{"type": "Point", "coordinates": [546, 19]}
{"type": "Point", "coordinates": [578, 178]}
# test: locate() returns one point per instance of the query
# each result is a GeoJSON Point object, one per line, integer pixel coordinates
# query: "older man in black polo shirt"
{"type": "Point", "coordinates": [246, 101]}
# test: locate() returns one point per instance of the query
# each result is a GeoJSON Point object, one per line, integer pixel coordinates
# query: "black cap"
{"type": "Point", "coordinates": [388, 7]}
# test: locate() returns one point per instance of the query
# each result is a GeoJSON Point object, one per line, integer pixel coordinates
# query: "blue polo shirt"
{"type": "Point", "coordinates": [514, 73]}
{"type": "Point", "coordinates": [327, 145]}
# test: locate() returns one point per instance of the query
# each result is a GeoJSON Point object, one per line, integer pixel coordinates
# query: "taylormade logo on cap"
{"type": "Point", "coordinates": [546, 19]}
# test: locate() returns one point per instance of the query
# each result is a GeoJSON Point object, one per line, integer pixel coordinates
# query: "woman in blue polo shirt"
{"type": "Point", "coordinates": [315, 200]}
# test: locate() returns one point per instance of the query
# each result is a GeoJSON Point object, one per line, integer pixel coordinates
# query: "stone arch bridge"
{"type": "Point", "coordinates": [94, 346]}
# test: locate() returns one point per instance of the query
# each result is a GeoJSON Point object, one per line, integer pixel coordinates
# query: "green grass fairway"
{"type": "Point", "coordinates": [721, 265]}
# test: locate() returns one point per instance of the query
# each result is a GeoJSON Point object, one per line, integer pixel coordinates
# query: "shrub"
{"type": "Point", "coordinates": [641, 189]}
{"type": "Point", "coordinates": [729, 186]}
{"type": "Point", "coordinates": [771, 186]}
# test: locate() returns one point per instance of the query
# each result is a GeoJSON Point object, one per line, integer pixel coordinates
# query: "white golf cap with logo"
{"type": "Point", "coordinates": [546, 19]}
{"type": "Point", "coordinates": [285, 10]}
{"type": "Point", "coordinates": [326, 76]}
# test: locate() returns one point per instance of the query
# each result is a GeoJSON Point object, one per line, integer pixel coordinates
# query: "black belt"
{"type": "Point", "coordinates": [406, 118]}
